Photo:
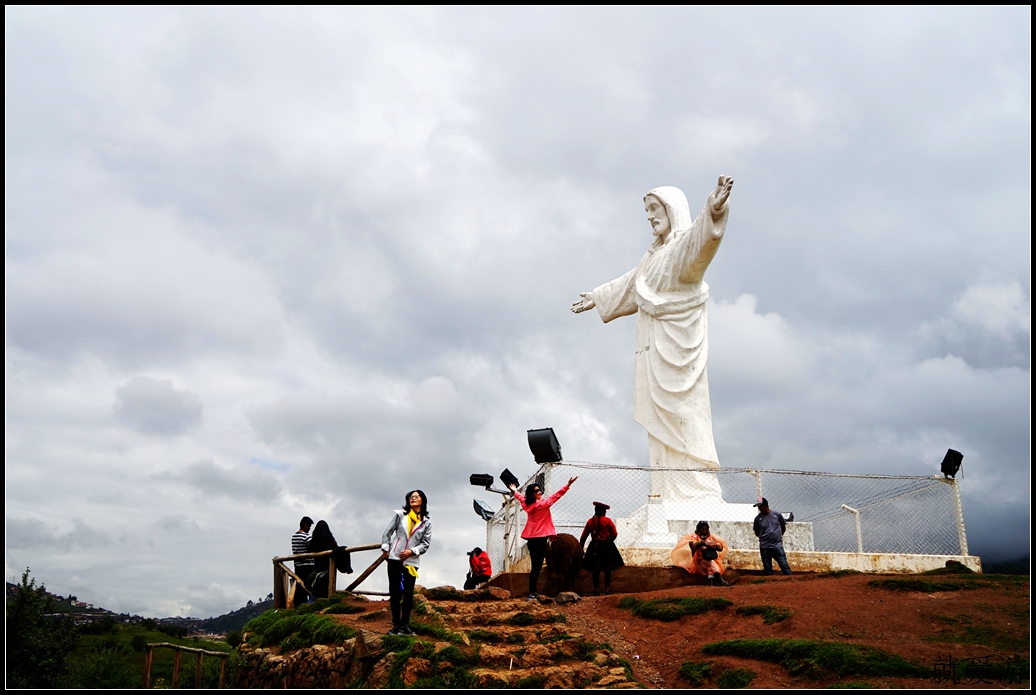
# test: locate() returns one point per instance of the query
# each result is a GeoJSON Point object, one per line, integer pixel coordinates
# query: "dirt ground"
{"type": "Point", "coordinates": [987, 621]}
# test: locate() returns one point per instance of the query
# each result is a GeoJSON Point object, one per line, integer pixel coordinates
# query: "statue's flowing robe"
{"type": "Point", "coordinates": [667, 292]}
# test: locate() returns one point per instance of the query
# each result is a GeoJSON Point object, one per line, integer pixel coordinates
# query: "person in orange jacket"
{"type": "Point", "coordinates": [701, 553]}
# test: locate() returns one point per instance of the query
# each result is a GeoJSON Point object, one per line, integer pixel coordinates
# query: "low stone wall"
{"type": "Point", "coordinates": [320, 666]}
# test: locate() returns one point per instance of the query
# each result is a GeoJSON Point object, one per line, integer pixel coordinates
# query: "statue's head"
{"type": "Point", "coordinates": [667, 211]}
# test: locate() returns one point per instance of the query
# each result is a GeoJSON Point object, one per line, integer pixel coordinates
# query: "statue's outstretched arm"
{"type": "Point", "coordinates": [719, 197]}
{"type": "Point", "coordinates": [584, 304]}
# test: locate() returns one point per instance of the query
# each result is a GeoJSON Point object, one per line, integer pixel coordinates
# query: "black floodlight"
{"type": "Point", "coordinates": [508, 478]}
{"type": "Point", "coordinates": [951, 463]}
{"type": "Point", "coordinates": [481, 479]}
{"type": "Point", "coordinates": [544, 445]}
{"type": "Point", "coordinates": [483, 510]}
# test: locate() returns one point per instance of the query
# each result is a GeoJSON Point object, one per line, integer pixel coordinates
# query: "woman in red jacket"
{"type": "Point", "coordinates": [602, 553]}
{"type": "Point", "coordinates": [539, 527]}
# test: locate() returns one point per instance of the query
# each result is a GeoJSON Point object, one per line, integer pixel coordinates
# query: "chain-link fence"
{"type": "Point", "coordinates": [654, 507]}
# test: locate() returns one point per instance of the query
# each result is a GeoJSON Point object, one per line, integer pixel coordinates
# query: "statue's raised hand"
{"type": "Point", "coordinates": [584, 304]}
{"type": "Point", "coordinates": [718, 198]}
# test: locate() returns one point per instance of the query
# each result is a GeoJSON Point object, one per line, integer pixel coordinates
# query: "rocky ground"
{"type": "Point", "coordinates": [489, 639]}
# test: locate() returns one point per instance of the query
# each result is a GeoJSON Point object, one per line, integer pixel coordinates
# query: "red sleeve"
{"type": "Point", "coordinates": [610, 525]}
{"type": "Point", "coordinates": [484, 565]}
{"type": "Point", "coordinates": [586, 531]}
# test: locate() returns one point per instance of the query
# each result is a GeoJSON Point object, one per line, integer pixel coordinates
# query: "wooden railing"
{"type": "Point", "coordinates": [149, 653]}
{"type": "Point", "coordinates": [282, 598]}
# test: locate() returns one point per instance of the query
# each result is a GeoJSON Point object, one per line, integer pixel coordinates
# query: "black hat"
{"type": "Point", "coordinates": [602, 504]}
{"type": "Point", "coordinates": [761, 503]}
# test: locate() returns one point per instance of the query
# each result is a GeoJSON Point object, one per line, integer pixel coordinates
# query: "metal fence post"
{"type": "Point", "coordinates": [960, 518]}
{"type": "Point", "coordinates": [758, 484]}
{"type": "Point", "coordinates": [859, 529]}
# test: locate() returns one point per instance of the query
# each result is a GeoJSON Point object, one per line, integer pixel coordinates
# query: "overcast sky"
{"type": "Point", "coordinates": [267, 263]}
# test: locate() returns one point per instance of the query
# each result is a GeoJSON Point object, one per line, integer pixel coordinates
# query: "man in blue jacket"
{"type": "Point", "coordinates": [769, 528]}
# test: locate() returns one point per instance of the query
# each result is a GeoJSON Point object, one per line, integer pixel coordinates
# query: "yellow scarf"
{"type": "Point", "coordinates": [412, 520]}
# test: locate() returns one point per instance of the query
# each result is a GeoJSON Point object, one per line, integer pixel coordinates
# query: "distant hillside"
{"type": "Point", "coordinates": [234, 620]}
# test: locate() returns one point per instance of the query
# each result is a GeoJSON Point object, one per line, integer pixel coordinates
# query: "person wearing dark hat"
{"type": "Point", "coordinates": [769, 527]}
{"type": "Point", "coordinates": [480, 569]}
{"type": "Point", "coordinates": [602, 553]}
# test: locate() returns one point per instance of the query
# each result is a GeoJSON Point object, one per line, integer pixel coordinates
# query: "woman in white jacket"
{"type": "Point", "coordinates": [407, 538]}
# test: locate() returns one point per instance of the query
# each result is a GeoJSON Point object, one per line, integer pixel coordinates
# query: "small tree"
{"type": "Point", "coordinates": [37, 644]}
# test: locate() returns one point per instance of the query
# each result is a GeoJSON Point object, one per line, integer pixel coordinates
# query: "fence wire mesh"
{"type": "Point", "coordinates": [832, 512]}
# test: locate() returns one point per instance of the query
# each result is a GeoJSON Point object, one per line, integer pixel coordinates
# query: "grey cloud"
{"type": "Point", "coordinates": [306, 220]}
{"type": "Point", "coordinates": [156, 406]}
{"type": "Point", "coordinates": [34, 534]}
{"type": "Point", "coordinates": [213, 480]}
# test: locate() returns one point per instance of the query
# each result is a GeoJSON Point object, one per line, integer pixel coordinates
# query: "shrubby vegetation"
{"type": "Point", "coordinates": [51, 652]}
{"type": "Point", "coordinates": [38, 646]}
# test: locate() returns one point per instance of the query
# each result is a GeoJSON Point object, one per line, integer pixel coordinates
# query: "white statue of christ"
{"type": "Point", "coordinates": [668, 292]}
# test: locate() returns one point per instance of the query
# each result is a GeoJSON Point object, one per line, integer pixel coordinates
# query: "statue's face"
{"type": "Point", "coordinates": [657, 216]}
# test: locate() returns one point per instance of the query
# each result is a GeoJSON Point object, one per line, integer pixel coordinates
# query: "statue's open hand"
{"type": "Point", "coordinates": [584, 304]}
{"type": "Point", "coordinates": [719, 197]}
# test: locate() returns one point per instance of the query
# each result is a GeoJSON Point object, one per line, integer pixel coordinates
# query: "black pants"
{"type": "Point", "coordinates": [537, 551]}
{"type": "Point", "coordinates": [473, 582]}
{"type": "Point", "coordinates": [401, 592]}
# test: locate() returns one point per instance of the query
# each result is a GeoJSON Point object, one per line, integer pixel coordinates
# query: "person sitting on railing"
{"type": "Point", "coordinates": [701, 553]}
{"type": "Point", "coordinates": [322, 540]}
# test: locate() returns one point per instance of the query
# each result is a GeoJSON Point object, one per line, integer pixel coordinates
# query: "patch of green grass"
{"type": "Point", "coordinates": [672, 608]}
{"type": "Point", "coordinates": [922, 585]}
{"type": "Point", "coordinates": [851, 685]}
{"type": "Point", "coordinates": [696, 672]}
{"type": "Point", "coordinates": [376, 615]}
{"type": "Point", "coordinates": [758, 581]}
{"type": "Point", "coordinates": [815, 657]}
{"type": "Point", "coordinates": [771, 614]}
{"type": "Point", "coordinates": [521, 619]}
{"type": "Point", "coordinates": [295, 629]}
{"type": "Point", "coordinates": [516, 638]}
{"type": "Point", "coordinates": [955, 568]}
{"type": "Point", "coordinates": [532, 682]}
{"type": "Point", "coordinates": [437, 631]}
{"type": "Point", "coordinates": [344, 608]}
{"type": "Point", "coordinates": [487, 636]}
{"type": "Point", "coordinates": [838, 574]}
{"type": "Point", "coordinates": [735, 678]}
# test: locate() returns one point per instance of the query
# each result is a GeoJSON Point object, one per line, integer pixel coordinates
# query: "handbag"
{"type": "Point", "coordinates": [709, 553]}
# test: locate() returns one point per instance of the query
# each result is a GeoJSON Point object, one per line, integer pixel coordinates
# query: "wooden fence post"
{"type": "Point", "coordinates": [332, 576]}
{"type": "Point", "coordinates": [223, 672]}
{"type": "Point", "coordinates": [176, 669]}
{"type": "Point", "coordinates": [149, 653]}
{"type": "Point", "coordinates": [279, 598]}
{"type": "Point", "coordinates": [197, 672]}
